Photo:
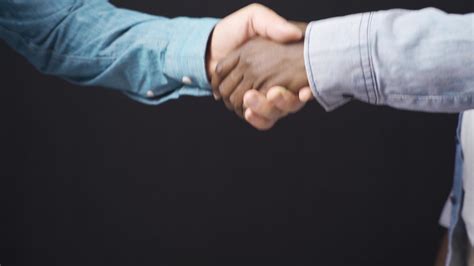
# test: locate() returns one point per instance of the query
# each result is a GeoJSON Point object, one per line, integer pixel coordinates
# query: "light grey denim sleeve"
{"type": "Point", "coordinates": [415, 60]}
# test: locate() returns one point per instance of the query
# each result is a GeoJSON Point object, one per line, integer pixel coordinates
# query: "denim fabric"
{"type": "Point", "coordinates": [415, 60]}
{"type": "Point", "coordinates": [91, 42]}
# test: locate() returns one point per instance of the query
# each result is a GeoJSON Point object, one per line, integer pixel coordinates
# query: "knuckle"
{"type": "Point", "coordinates": [234, 75]}
{"type": "Point", "coordinates": [224, 93]}
{"type": "Point", "coordinates": [255, 6]}
{"type": "Point", "coordinates": [221, 88]}
{"type": "Point", "coordinates": [244, 64]}
{"type": "Point", "coordinates": [252, 65]}
{"type": "Point", "coordinates": [218, 70]}
{"type": "Point", "coordinates": [247, 61]}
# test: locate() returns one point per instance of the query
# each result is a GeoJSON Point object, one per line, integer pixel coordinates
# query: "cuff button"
{"type": "Point", "coordinates": [150, 94]}
{"type": "Point", "coordinates": [187, 80]}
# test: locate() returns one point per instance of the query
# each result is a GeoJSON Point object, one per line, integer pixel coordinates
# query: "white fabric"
{"type": "Point", "coordinates": [467, 142]}
{"type": "Point", "coordinates": [445, 218]}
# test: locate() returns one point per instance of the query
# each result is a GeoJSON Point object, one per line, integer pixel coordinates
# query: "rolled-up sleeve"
{"type": "Point", "coordinates": [93, 43]}
{"type": "Point", "coordinates": [415, 60]}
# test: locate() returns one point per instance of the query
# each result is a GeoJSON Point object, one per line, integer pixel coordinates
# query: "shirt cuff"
{"type": "Point", "coordinates": [337, 59]}
{"type": "Point", "coordinates": [185, 57]}
{"type": "Point", "coordinates": [184, 63]}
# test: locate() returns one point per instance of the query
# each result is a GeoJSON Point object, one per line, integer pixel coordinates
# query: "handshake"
{"type": "Point", "coordinates": [255, 62]}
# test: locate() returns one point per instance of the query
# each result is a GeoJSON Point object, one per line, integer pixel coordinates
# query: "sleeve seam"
{"type": "Point", "coordinates": [371, 61]}
{"type": "Point", "coordinates": [310, 66]}
{"type": "Point", "coordinates": [366, 61]}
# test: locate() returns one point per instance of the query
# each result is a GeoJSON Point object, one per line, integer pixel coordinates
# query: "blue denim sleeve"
{"type": "Point", "coordinates": [415, 60]}
{"type": "Point", "coordinates": [91, 42]}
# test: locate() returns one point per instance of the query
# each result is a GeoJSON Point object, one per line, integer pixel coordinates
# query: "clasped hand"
{"type": "Point", "coordinates": [259, 74]}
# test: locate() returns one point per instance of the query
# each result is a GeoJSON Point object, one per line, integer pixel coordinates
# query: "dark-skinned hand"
{"type": "Point", "coordinates": [259, 64]}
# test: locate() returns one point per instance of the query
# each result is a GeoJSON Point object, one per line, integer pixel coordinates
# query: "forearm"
{"type": "Point", "coordinates": [91, 42]}
{"type": "Point", "coordinates": [415, 60]}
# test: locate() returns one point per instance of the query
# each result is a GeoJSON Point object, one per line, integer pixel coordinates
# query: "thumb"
{"type": "Point", "coordinates": [306, 94]}
{"type": "Point", "coordinates": [266, 23]}
{"type": "Point", "coordinates": [284, 100]}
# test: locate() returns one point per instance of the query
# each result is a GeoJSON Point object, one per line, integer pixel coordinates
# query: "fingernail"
{"type": "Point", "coordinates": [275, 94]}
{"type": "Point", "coordinates": [216, 97]}
{"type": "Point", "coordinates": [251, 101]}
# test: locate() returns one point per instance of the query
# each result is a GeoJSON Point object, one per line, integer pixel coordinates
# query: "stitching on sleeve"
{"type": "Point", "coordinates": [308, 55]}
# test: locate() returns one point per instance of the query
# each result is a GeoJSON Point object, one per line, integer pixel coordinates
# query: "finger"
{"type": "Point", "coordinates": [267, 23]}
{"type": "Point", "coordinates": [230, 83]}
{"type": "Point", "coordinates": [301, 25]}
{"type": "Point", "coordinates": [237, 96]}
{"type": "Point", "coordinates": [223, 68]}
{"type": "Point", "coordinates": [257, 121]}
{"type": "Point", "coordinates": [306, 94]}
{"type": "Point", "coordinates": [259, 104]}
{"type": "Point", "coordinates": [284, 100]}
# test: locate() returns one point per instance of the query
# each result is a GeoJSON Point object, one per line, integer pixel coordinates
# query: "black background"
{"type": "Point", "coordinates": [90, 177]}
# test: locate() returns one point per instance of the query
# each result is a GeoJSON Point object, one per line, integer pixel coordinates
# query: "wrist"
{"type": "Point", "coordinates": [295, 58]}
{"type": "Point", "coordinates": [185, 56]}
